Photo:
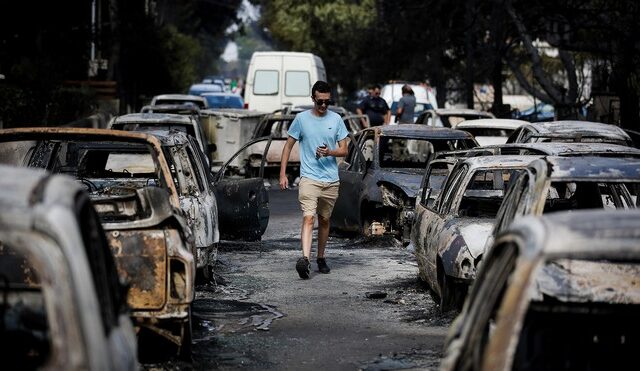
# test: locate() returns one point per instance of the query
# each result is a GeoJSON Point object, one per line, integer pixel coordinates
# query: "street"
{"type": "Point", "coordinates": [261, 315]}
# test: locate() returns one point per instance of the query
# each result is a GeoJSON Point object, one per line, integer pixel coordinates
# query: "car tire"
{"type": "Point", "coordinates": [447, 294]}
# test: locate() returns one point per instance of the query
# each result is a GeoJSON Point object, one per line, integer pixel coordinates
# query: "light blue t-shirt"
{"type": "Point", "coordinates": [311, 132]}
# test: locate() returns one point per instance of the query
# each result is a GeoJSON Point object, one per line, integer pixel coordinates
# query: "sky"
{"type": "Point", "coordinates": [247, 13]}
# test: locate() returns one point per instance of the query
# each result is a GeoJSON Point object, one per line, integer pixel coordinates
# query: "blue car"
{"type": "Point", "coordinates": [223, 100]}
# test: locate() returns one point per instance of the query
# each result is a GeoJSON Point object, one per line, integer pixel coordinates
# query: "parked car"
{"type": "Point", "coordinates": [449, 235]}
{"type": "Point", "coordinates": [570, 131]}
{"type": "Point", "coordinates": [199, 89]}
{"type": "Point", "coordinates": [381, 175]}
{"type": "Point", "coordinates": [151, 243]}
{"type": "Point", "coordinates": [63, 306]}
{"type": "Point", "coordinates": [557, 292]}
{"type": "Point", "coordinates": [450, 117]}
{"type": "Point", "coordinates": [425, 98]}
{"type": "Point", "coordinates": [223, 100]}
{"type": "Point", "coordinates": [570, 183]}
{"type": "Point", "coordinates": [538, 113]}
{"type": "Point", "coordinates": [197, 100]}
{"type": "Point", "coordinates": [188, 124]}
{"type": "Point", "coordinates": [490, 131]}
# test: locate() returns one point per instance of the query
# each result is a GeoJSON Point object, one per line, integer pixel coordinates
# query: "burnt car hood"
{"type": "Point", "coordinates": [408, 180]}
{"type": "Point", "coordinates": [475, 232]}
{"type": "Point", "coordinates": [581, 281]}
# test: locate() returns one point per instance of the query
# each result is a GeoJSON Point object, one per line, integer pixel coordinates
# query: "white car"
{"type": "Point", "coordinates": [490, 131]}
{"type": "Point", "coordinates": [425, 98]}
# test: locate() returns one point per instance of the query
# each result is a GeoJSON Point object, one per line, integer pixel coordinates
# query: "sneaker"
{"type": "Point", "coordinates": [303, 266]}
{"type": "Point", "coordinates": [322, 266]}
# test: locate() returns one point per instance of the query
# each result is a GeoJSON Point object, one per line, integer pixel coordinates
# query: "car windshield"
{"type": "Point", "coordinates": [403, 152]}
{"type": "Point", "coordinates": [224, 101]}
{"type": "Point", "coordinates": [98, 165]}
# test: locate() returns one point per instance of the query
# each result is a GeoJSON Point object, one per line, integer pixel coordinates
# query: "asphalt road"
{"type": "Point", "coordinates": [261, 316]}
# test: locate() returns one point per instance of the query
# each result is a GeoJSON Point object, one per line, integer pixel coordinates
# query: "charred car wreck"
{"type": "Point", "coordinates": [129, 178]}
{"type": "Point", "coordinates": [448, 236]}
{"type": "Point", "coordinates": [381, 175]}
{"type": "Point", "coordinates": [554, 292]}
{"type": "Point", "coordinates": [62, 304]}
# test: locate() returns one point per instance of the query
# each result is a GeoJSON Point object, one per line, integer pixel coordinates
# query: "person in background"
{"type": "Point", "coordinates": [406, 106]}
{"type": "Point", "coordinates": [375, 107]}
{"type": "Point", "coordinates": [322, 136]}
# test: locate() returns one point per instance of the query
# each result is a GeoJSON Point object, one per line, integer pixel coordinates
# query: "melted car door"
{"type": "Point", "coordinates": [346, 213]}
{"type": "Point", "coordinates": [243, 203]}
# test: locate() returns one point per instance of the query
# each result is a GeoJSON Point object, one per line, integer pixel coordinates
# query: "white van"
{"type": "Point", "coordinates": [425, 98]}
{"type": "Point", "coordinates": [279, 79]}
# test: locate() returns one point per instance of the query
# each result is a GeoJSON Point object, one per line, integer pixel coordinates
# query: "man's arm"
{"type": "Point", "coordinates": [387, 117]}
{"type": "Point", "coordinates": [286, 152]}
{"type": "Point", "coordinates": [341, 151]}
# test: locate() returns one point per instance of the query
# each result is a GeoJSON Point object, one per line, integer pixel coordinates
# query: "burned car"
{"type": "Point", "coordinates": [276, 126]}
{"type": "Point", "coordinates": [193, 182]}
{"type": "Point", "coordinates": [570, 183]}
{"type": "Point", "coordinates": [129, 179]}
{"type": "Point", "coordinates": [557, 292]}
{"type": "Point", "coordinates": [381, 175]}
{"type": "Point", "coordinates": [188, 124]}
{"type": "Point", "coordinates": [548, 148]}
{"type": "Point", "coordinates": [570, 131]}
{"type": "Point", "coordinates": [449, 235]}
{"type": "Point", "coordinates": [450, 117]}
{"type": "Point", "coordinates": [63, 306]}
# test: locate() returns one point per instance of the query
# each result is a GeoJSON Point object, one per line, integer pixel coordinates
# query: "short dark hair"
{"type": "Point", "coordinates": [321, 87]}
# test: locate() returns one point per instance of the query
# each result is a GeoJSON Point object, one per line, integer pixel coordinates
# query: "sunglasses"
{"type": "Point", "coordinates": [320, 102]}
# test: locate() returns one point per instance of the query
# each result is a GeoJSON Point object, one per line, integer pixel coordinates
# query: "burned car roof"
{"type": "Point", "coordinates": [593, 167]}
{"type": "Point", "coordinates": [587, 128]}
{"type": "Point", "coordinates": [581, 233]}
{"type": "Point", "coordinates": [490, 123]}
{"type": "Point", "coordinates": [498, 160]}
{"type": "Point", "coordinates": [588, 248]}
{"type": "Point", "coordinates": [160, 118]}
{"type": "Point", "coordinates": [421, 131]}
{"type": "Point", "coordinates": [567, 148]}
{"type": "Point", "coordinates": [461, 111]}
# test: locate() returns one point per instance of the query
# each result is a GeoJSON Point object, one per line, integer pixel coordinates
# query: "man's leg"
{"type": "Point", "coordinates": [308, 197]}
{"type": "Point", "coordinates": [323, 235]}
{"type": "Point", "coordinates": [325, 208]}
{"type": "Point", "coordinates": [306, 235]}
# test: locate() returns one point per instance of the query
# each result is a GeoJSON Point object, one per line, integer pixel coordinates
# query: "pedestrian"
{"type": "Point", "coordinates": [375, 107]}
{"type": "Point", "coordinates": [322, 137]}
{"type": "Point", "coordinates": [406, 106]}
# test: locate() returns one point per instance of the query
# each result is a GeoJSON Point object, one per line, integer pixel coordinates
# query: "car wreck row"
{"type": "Point", "coordinates": [156, 201]}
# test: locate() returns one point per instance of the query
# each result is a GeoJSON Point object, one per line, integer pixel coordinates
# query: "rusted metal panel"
{"type": "Point", "coordinates": [142, 261]}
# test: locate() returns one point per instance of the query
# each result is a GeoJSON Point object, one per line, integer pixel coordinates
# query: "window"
{"type": "Point", "coordinates": [433, 181]}
{"type": "Point", "coordinates": [483, 195]}
{"type": "Point", "coordinates": [297, 84]}
{"type": "Point", "coordinates": [265, 82]}
{"type": "Point", "coordinates": [451, 186]}
{"type": "Point", "coordinates": [590, 195]}
{"type": "Point", "coordinates": [404, 152]}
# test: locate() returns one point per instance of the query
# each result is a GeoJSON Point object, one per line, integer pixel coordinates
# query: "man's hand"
{"type": "Point", "coordinates": [284, 182]}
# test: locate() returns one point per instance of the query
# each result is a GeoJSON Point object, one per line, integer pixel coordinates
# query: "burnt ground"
{"type": "Point", "coordinates": [369, 313]}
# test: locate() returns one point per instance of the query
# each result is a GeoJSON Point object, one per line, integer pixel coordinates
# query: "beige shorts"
{"type": "Point", "coordinates": [317, 197]}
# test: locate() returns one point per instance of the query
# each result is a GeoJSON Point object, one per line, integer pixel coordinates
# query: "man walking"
{"type": "Point", "coordinates": [375, 107]}
{"type": "Point", "coordinates": [322, 136]}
